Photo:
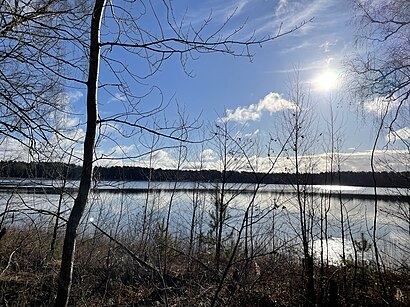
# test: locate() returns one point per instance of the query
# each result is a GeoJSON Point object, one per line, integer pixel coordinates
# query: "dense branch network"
{"type": "Point", "coordinates": [44, 52]}
{"type": "Point", "coordinates": [385, 30]}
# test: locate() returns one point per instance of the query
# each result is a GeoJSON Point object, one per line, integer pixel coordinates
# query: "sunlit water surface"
{"type": "Point", "coordinates": [273, 212]}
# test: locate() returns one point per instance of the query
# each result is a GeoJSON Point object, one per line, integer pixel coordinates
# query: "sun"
{"type": "Point", "coordinates": [326, 81]}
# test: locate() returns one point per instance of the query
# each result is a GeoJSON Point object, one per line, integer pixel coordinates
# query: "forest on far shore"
{"type": "Point", "coordinates": [58, 170]}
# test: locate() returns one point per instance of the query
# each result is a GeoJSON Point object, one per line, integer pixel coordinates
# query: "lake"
{"type": "Point", "coordinates": [269, 213]}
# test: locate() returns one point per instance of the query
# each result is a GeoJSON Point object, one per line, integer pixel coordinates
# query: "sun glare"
{"type": "Point", "coordinates": [326, 81]}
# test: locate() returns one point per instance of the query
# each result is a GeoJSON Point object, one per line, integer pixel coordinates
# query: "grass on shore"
{"type": "Point", "coordinates": [106, 275]}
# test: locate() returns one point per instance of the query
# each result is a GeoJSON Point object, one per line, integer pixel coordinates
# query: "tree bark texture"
{"type": "Point", "coordinates": [67, 261]}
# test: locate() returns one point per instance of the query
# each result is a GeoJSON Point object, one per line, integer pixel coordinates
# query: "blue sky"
{"type": "Point", "coordinates": [223, 82]}
{"type": "Point", "coordinates": [251, 94]}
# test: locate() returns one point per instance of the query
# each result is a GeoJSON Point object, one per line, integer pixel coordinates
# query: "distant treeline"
{"type": "Point", "coordinates": [58, 170]}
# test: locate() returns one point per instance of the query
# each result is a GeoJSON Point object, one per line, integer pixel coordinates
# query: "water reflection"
{"type": "Point", "coordinates": [270, 212]}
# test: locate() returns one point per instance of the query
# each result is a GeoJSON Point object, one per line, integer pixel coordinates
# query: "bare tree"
{"type": "Point", "coordinates": [34, 66]}
{"type": "Point", "coordinates": [298, 123]}
{"type": "Point", "coordinates": [384, 29]}
{"type": "Point", "coordinates": [381, 75]}
{"type": "Point", "coordinates": [44, 42]}
{"type": "Point", "coordinates": [230, 153]}
{"type": "Point", "coordinates": [242, 148]}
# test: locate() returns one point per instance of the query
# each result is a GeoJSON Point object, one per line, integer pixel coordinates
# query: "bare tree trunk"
{"type": "Point", "coordinates": [195, 204]}
{"type": "Point", "coordinates": [67, 261]}
{"type": "Point", "coordinates": [376, 208]}
{"type": "Point", "coordinates": [221, 215]}
{"type": "Point", "coordinates": [58, 213]}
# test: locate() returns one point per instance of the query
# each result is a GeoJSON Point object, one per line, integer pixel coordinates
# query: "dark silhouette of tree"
{"type": "Point", "coordinates": [51, 44]}
{"type": "Point", "coordinates": [384, 28]}
{"type": "Point", "coordinates": [381, 78]}
{"type": "Point", "coordinates": [34, 67]}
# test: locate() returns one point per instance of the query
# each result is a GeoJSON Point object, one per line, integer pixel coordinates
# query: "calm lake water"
{"type": "Point", "coordinates": [273, 211]}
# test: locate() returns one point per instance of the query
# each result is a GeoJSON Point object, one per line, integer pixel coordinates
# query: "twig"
{"type": "Point", "coordinates": [140, 261]}
{"type": "Point", "coordinates": [8, 262]}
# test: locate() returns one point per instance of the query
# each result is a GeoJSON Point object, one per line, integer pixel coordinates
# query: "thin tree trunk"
{"type": "Point", "coordinates": [221, 213]}
{"type": "Point", "coordinates": [60, 203]}
{"type": "Point", "coordinates": [195, 202]}
{"type": "Point", "coordinates": [67, 261]}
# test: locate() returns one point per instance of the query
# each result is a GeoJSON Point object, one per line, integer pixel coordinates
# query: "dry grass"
{"type": "Point", "coordinates": [105, 275]}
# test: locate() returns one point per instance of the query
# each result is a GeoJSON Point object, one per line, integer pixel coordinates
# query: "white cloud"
{"type": "Point", "coordinates": [63, 136]}
{"type": "Point", "coordinates": [117, 97]}
{"type": "Point", "coordinates": [12, 149]}
{"type": "Point", "coordinates": [248, 135]}
{"type": "Point", "coordinates": [303, 45]}
{"type": "Point", "coordinates": [122, 150]}
{"type": "Point", "coordinates": [240, 6]}
{"type": "Point", "coordinates": [162, 159]}
{"type": "Point", "coordinates": [360, 160]}
{"type": "Point", "coordinates": [65, 123]}
{"type": "Point", "coordinates": [316, 163]}
{"type": "Point", "coordinates": [131, 155]}
{"type": "Point", "coordinates": [281, 7]}
{"type": "Point", "coordinates": [326, 46]}
{"type": "Point", "coordinates": [386, 160]}
{"type": "Point", "coordinates": [74, 96]}
{"type": "Point", "coordinates": [58, 149]}
{"type": "Point", "coordinates": [273, 102]}
{"type": "Point", "coordinates": [221, 11]}
{"type": "Point", "coordinates": [380, 106]}
{"type": "Point", "coordinates": [208, 155]}
{"type": "Point", "coordinates": [64, 99]}
{"type": "Point", "coordinates": [401, 134]}
{"type": "Point", "coordinates": [293, 13]}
